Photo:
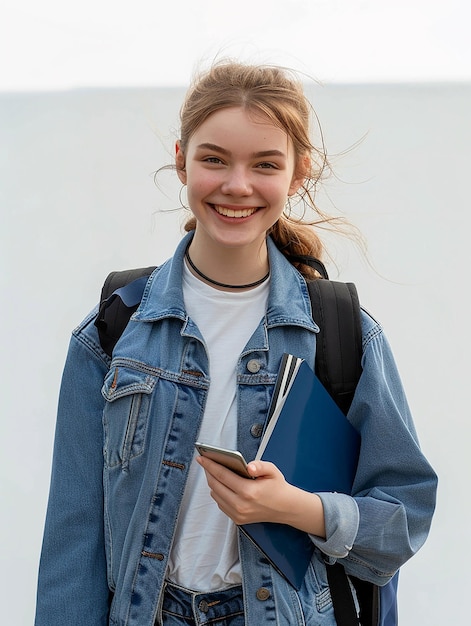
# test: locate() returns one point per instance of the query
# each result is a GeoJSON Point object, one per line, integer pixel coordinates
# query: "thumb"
{"type": "Point", "coordinates": [260, 468]}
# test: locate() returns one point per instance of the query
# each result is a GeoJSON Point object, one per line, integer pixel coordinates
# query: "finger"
{"type": "Point", "coordinates": [220, 473]}
{"type": "Point", "coordinates": [258, 469]}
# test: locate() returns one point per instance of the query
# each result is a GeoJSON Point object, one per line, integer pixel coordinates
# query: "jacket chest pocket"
{"type": "Point", "coordinates": [128, 395]}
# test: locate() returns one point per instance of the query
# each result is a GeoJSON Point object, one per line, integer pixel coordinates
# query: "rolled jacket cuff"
{"type": "Point", "coordinates": [342, 518]}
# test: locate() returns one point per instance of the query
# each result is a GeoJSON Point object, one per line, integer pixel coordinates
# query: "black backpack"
{"type": "Point", "coordinates": [336, 308]}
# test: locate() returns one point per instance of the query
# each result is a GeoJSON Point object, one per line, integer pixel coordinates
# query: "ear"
{"type": "Point", "coordinates": [302, 171]}
{"type": "Point", "coordinates": [180, 162]}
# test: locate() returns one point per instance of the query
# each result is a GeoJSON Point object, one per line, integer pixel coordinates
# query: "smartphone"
{"type": "Point", "coordinates": [231, 459]}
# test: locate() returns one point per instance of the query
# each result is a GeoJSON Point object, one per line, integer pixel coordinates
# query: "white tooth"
{"type": "Point", "coordinates": [233, 212]}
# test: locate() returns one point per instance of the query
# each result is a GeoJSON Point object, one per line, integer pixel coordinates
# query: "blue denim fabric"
{"type": "Point", "coordinates": [221, 608]}
{"type": "Point", "coordinates": [124, 442]}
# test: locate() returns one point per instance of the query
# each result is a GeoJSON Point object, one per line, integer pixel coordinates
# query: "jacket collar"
{"type": "Point", "coordinates": [288, 299]}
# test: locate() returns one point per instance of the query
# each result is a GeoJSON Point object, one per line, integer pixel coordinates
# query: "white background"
{"type": "Point", "coordinates": [77, 200]}
{"type": "Point", "coordinates": [58, 43]}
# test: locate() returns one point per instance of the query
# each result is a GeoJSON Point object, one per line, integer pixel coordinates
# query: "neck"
{"type": "Point", "coordinates": [213, 273]}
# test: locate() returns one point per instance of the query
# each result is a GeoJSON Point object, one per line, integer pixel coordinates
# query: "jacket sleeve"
{"type": "Point", "coordinates": [72, 585]}
{"type": "Point", "coordinates": [388, 517]}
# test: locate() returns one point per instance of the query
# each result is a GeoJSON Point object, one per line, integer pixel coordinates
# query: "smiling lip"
{"type": "Point", "coordinates": [234, 212]}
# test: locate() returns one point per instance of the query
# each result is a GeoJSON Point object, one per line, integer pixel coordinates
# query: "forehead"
{"type": "Point", "coordinates": [239, 127]}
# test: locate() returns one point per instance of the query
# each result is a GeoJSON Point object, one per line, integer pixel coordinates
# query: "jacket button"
{"type": "Point", "coordinates": [256, 430]}
{"type": "Point", "coordinates": [263, 593]}
{"type": "Point", "coordinates": [253, 366]}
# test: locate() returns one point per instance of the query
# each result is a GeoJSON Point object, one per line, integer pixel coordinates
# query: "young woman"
{"type": "Point", "coordinates": [140, 530]}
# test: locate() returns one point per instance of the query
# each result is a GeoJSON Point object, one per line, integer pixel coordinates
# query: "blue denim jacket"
{"type": "Point", "coordinates": [124, 442]}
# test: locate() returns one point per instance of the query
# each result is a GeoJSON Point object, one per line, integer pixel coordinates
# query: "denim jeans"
{"type": "Point", "coordinates": [185, 607]}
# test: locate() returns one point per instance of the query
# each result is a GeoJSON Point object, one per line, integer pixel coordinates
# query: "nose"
{"type": "Point", "coordinates": [237, 182]}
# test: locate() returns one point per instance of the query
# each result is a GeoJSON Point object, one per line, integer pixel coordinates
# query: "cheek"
{"type": "Point", "coordinates": [277, 192]}
{"type": "Point", "coordinates": [197, 192]}
{"type": "Point", "coordinates": [201, 183]}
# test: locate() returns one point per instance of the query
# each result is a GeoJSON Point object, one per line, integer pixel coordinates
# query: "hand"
{"type": "Point", "coordinates": [269, 498]}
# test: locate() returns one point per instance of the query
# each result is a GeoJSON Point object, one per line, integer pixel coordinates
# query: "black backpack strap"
{"type": "Point", "coordinates": [120, 297]}
{"type": "Point", "coordinates": [341, 593]}
{"type": "Point", "coordinates": [342, 599]}
{"type": "Point", "coordinates": [311, 261]}
{"type": "Point", "coordinates": [368, 600]}
{"type": "Point", "coordinates": [336, 310]}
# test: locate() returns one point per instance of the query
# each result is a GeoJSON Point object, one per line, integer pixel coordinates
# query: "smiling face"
{"type": "Point", "coordinates": [239, 169]}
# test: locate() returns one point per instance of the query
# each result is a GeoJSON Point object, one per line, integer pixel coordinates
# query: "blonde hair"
{"type": "Point", "coordinates": [277, 94]}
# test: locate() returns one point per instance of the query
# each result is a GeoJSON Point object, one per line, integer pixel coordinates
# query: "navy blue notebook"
{"type": "Point", "coordinates": [316, 448]}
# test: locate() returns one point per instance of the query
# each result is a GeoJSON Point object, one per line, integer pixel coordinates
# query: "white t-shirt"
{"type": "Point", "coordinates": [205, 556]}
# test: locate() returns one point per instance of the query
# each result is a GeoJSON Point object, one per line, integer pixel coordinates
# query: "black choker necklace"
{"type": "Point", "coordinates": [218, 284]}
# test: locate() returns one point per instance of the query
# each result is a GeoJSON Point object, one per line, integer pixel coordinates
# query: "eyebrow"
{"type": "Point", "coordinates": [255, 155]}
